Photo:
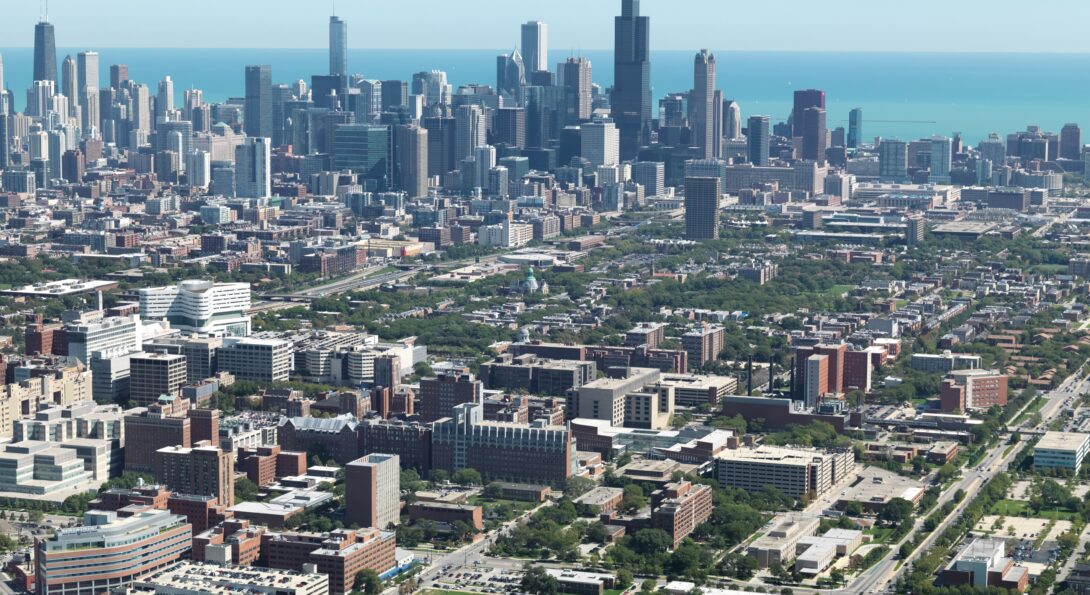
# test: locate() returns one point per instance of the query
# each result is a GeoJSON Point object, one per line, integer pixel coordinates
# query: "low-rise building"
{"type": "Point", "coordinates": [1061, 450]}
{"type": "Point", "coordinates": [194, 578]}
{"type": "Point", "coordinates": [794, 471]}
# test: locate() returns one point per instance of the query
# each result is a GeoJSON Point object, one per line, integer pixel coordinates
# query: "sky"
{"type": "Point", "coordinates": [759, 25]}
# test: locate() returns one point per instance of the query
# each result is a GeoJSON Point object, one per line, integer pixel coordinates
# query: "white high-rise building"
{"type": "Point", "coordinates": [106, 337]}
{"type": "Point", "coordinates": [252, 165]}
{"type": "Point", "coordinates": [87, 83]}
{"type": "Point", "coordinates": [164, 103]}
{"type": "Point", "coordinates": [941, 159]}
{"type": "Point", "coordinates": [535, 46]}
{"type": "Point", "coordinates": [198, 169]}
{"type": "Point", "coordinates": [200, 306]}
{"type": "Point", "coordinates": [601, 143]}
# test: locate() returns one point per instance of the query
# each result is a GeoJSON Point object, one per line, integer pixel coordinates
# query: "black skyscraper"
{"type": "Point", "coordinates": [45, 52]}
{"type": "Point", "coordinates": [259, 120]}
{"type": "Point", "coordinates": [631, 100]}
{"type": "Point", "coordinates": [804, 100]}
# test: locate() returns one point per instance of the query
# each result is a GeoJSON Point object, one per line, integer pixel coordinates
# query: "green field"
{"type": "Point", "coordinates": [1021, 508]}
{"type": "Point", "coordinates": [839, 290]}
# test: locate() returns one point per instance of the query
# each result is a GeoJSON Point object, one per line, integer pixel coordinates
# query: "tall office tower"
{"type": "Point", "coordinates": [198, 169]}
{"type": "Point", "coordinates": [701, 208]}
{"type": "Point", "coordinates": [87, 67]}
{"type": "Point", "coordinates": [485, 159]}
{"type": "Point", "coordinates": [814, 136]}
{"type": "Point", "coordinates": [258, 108]}
{"type": "Point", "coordinates": [164, 101]}
{"type": "Point", "coordinates": [441, 144]}
{"type": "Point", "coordinates": [804, 99]}
{"type": "Point", "coordinates": [364, 149]}
{"type": "Point", "coordinates": [757, 140]}
{"type": "Point", "coordinates": [4, 99]}
{"type": "Point", "coordinates": [252, 163]}
{"type": "Point", "coordinates": [395, 95]}
{"type": "Point", "coordinates": [510, 73]}
{"type": "Point", "coordinates": [855, 128]}
{"type": "Point", "coordinates": [119, 75]}
{"type": "Point", "coordinates": [601, 143]}
{"type": "Point", "coordinates": [1070, 140]}
{"type": "Point", "coordinates": [702, 106]}
{"type": "Point", "coordinates": [411, 160]}
{"type": "Point", "coordinates": [5, 140]}
{"type": "Point", "coordinates": [509, 127]}
{"type": "Point", "coordinates": [192, 99]}
{"type": "Point", "coordinates": [651, 175]}
{"type": "Point", "coordinates": [631, 100]}
{"type": "Point", "coordinates": [370, 105]}
{"type": "Point", "coordinates": [373, 491]}
{"type": "Point", "coordinates": [281, 96]}
{"type": "Point", "coordinates": [575, 76]}
{"type": "Point", "coordinates": [45, 52]}
{"type": "Point", "coordinates": [732, 119]}
{"type": "Point", "coordinates": [141, 107]}
{"type": "Point", "coordinates": [203, 470]}
{"type": "Point", "coordinates": [69, 80]}
{"type": "Point", "coordinates": [433, 86]}
{"type": "Point", "coordinates": [535, 46]}
{"type": "Point", "coordinates": [470, 131]}
{"type": "Point", "coordinates": [892, 160]}
{"type": "Point", "coordinates": [58, 144]}
{"type": "Point", "coordinates": [941, 159]}
{"type": "Point", "coordinates": [155, 374]}
{"type": "Point", "coordinates": [338, 46]}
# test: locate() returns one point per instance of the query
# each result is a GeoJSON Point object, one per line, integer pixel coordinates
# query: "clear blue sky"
{"type": "Point", "coordinates": [800, 25]}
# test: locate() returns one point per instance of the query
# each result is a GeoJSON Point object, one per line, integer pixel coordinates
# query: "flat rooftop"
{"type": "Point", "coordinates": [1072, 441]}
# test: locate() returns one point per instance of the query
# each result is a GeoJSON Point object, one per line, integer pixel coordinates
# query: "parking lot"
{"type": "Point", "coordinates": [483, 580]}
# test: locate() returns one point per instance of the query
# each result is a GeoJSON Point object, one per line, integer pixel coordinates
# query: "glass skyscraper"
{"type": "Point", "coordinates": [258, 117]}
{"type": "Point", "coordinates": [45, 52]}
{"type": "Point", "coordinates": [338, 46]}
{"type": "Point", "coordinates": [631, 100]}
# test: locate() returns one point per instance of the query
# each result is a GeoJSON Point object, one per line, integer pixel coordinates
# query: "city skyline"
{"type": "Point", "coordinates": [573, 25]}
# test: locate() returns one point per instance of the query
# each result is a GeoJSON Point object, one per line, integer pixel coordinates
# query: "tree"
{"type": "Point", "coordinates": [467, 477]}
{"type": "Point", "coordinates": [633, 499]}
{"type": "Point", "coordinates": [896, 511]}
{"type": "Point", "coordinates": [368, 582]}
{"type": "Point", "coordinates": [624, 578]}
{"type": "Point", "coordinates": [647, 586]}
{"type": "Point", "coordinates": [577, 486]}
{"type": "Point", "coordinates": [650, 541]}
{"type": "Point", "coordinates": [439, 476]}
{"type": "Point", "coordinates": [245, 490]}
{"type": "Point", "coordinates": [538, 582]}
{"type": "Point", "coordinates": [597, 532]}
{"type": "Point", "coordinates": [493, 490]}
{"type": "Point", "coordinates": [853, 509]}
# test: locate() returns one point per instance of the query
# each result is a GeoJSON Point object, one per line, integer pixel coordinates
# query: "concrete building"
{"type": "Point", "coordinates": [340, 554]}
{"type": "Point", "coordinates": [152, 375]}
{"type": "Point", "coordinates": [983, 563]}
{"type": "Point", "coordinates": [794, 471]}
{"type": "Point", "coordinates": [703, 344]}
{"type": "Point", "coordinates": [693, 391]}
{"type": "Point", "coordinates": [535, 453]}
{"type": "Point", "coordinates": [778, 546]}
{"type": "Point", "coordinates": [439, 395]}
{"type": "Point", "coordinates": [373, 491]}
{"type": "Point", "coordinates": [963, 390]}
{"type": "Point", "coordinates": [267, 360]}
{"type": "Point", "coordinates": [679, 508]}
{"type": "Point", "coordinates": [201, 470]}
{"type": "Point", "coordinates": [605, 398]}
{"type": "Point", "coordinates": [702, 208]}
{"type": "Point", "coordinates": [108, 552]}
{"type": "Point", "coordinates": [194, 578]}
{"type": "Point", "coordinates": [1061, 450]}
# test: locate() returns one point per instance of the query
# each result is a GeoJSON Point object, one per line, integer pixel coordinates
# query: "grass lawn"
{"type": "Point", "coordinates": [839, 290]}
{"type": "Point", "coordinates": [879, 534]}
{"type": "Point", "coordinates": [1010, 507]}
{"type": "Point", "coordinates": [1021, 508]}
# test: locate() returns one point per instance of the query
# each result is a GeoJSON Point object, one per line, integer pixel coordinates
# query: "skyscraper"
{"type": "Point", "coordinates": [855, 128]}
{"type": "Point", "coordinates": [45, 52]}
{"type": "Point", "coordinates": [252, 163]}
{"type": "Point", "coordinates": [702, 106]}
{"type": "Point", "coordinates": [631, 99]}
{"type": "Point", "coordinates": [575, 76]}
{"type": "Point", "coordinates": [119, 74]}
{"type": "Point", "coordinates": [892, 160]}
{"type": "Point", "coordinates": [164, 101]}
{"type": "Point", "coordinates": [510, 73]}
{"type": "Point", "coordinates": [69, 80]}
{"type": "Point", "coordinates": [338, 46]}
{"type": "Point", "coordinates": [1070, 140]}
{"type": "Point", "coordinates": [535, 46]}
{"type": "Point", "coordinates": [814, 136]}
{"type": "Point", "coordinates": [364, 149]}
{"type": "Point", "coordinates": [804, 99]}
{"type": "Point", "coordinates": [470, 130]}
{"type": "Point", "coordinates": [941, 159]}
{"type": "Point", "coordinates": [258, 106]}
{"type": "Point", "coordinates": [732, 119]}
{"type": "Point", "coordinates": [757, 140]}
{"type": "Point", "coordinates": [411, 160]}
{"type": "Point", "coordinates": [701, 208]}
{"type": "Point", "coordinates": [372, 487]}
{"type": "Point", "coordinates": [600, 143]}
{"type": "Point", "coordinates": [87, 69]}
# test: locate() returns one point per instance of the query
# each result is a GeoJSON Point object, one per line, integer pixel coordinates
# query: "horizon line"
{"type": "Point", "coordinates": [448, 49]}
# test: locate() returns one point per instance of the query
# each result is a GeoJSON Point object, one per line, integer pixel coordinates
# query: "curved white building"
{"type": "Point", "coordinates": [200, 306]}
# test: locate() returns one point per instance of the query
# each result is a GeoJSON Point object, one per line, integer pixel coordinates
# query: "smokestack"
{"type": "Point", "coordinates": [749, 376]}
{"type": "Point", "coordinates": [100, 308]}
